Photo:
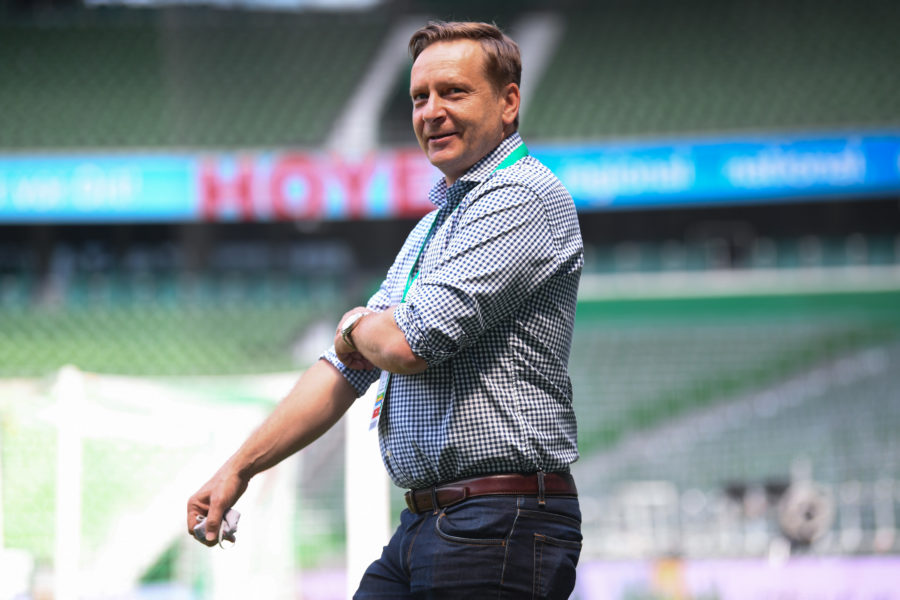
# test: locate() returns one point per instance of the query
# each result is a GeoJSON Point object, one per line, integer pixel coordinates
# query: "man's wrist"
{"type": "Point", "coordinates": [349, 325]}
{"type": "Point", "coordinates": [240, 466]}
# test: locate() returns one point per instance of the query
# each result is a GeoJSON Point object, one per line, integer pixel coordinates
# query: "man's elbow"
{"type": "Point", "coordinates": [403, 361]}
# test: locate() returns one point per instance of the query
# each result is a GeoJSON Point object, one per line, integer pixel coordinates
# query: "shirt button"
{"type": "Point", "coordinates": [388, 453]}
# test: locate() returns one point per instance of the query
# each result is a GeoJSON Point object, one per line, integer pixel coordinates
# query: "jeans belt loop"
{"type": "Point", "coordinates": [542, 501]}
{"type": "Point", "coordinates": [434, 500]}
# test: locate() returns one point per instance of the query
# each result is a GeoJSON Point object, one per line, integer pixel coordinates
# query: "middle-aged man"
{"type": "Point", "coordinates": [469, 337]}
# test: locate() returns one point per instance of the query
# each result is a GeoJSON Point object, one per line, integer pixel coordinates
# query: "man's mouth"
{"type": "Point", "coordinates": [438, 137]}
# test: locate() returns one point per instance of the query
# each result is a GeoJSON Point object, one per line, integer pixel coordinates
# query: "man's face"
{"type": "Point", "coordinates": [458, 115]}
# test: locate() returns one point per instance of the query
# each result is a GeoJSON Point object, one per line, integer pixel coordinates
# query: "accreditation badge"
{"type": "Point", "coordinates": [383, 382]}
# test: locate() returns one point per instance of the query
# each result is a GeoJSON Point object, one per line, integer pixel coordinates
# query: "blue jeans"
{"type": "Point", "coordinates": [497, 547]}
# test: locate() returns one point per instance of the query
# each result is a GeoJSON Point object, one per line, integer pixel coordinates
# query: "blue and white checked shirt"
{"type": "Point", "coordinates": [492, 314]}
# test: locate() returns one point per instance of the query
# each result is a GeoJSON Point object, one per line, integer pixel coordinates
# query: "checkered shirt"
{"type": "Point", "coordinates": [492, 314]}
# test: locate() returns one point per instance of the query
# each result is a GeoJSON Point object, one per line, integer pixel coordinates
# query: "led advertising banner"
{"type": "Point", "coordinates": [724, 171]}
{"type": "Point", "coordinates": [215, 187]}
{"type": "Point", "coordinates": [96, 189]}
{"type": "Point", "coordinates": [318, 185]}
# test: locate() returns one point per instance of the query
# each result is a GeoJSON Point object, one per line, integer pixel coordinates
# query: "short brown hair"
{"type": "Point", "coordinates": [503, 63]}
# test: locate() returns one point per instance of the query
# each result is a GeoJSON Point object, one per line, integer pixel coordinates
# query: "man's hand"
{"type": "Point", "coordinates": [347, 355]}
{"type": "Point", "coordinates": [212, 500]}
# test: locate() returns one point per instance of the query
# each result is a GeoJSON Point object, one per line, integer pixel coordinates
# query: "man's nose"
{"type": "Point", "coordinates": [433, 109]}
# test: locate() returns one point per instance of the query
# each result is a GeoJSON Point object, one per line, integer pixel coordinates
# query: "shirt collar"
{"type": "Point", "coordinates": [441, 194]}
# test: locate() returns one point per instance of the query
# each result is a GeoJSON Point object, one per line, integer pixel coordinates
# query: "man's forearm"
{"type": "Point", "coordinates": [315, 403]}
{"type": "Point", "coordinates": [381, 342]}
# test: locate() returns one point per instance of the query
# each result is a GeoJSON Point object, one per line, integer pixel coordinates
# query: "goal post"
{"type": "Point", "coordinates": [366, 490]}
{"type": "Point", "coordinates": [129, 451]}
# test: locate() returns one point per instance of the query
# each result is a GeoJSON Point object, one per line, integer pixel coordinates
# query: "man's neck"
{"type": "Point", "coordinates": [450, 181]}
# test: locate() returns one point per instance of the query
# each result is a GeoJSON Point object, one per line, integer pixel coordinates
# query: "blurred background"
{"type": "Point", "coordinates": [191, 194]}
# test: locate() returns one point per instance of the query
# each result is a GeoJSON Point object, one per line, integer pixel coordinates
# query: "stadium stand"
{"type": "Point", "coordinates": [656, 359]}
{"type": "Point", "coordinates": [756, 252]}
{"type": "Point", "coordinates": [218, 78]}
{"type": "Point", "coordinates": [656, 67]}
{"type": "Point", "coordinates": [160, 325]}
{"type": "Point", "coordinates": [180, 78]}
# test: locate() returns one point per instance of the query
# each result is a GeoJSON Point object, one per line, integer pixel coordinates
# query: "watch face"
{"type": "Point", "coordinates": [351, 320]}
{"type": "Point", "coordinates": [347, 327]}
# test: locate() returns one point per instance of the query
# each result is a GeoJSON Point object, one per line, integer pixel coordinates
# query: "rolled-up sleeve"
{"type": "Point", "coordinates": [359, 379]}
{"type": "Point", "coordinates": [501, 251]}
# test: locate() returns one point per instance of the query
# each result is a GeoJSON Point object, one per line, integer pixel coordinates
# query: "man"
{"type": "Point", "coordinates": [470, 336]}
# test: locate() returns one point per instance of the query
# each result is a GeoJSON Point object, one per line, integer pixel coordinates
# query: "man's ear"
{"type": "Point", "coordinates": [510, 97]}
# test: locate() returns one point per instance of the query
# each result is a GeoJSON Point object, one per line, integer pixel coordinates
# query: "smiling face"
{"type": "Point", "coordinates": [458, 114]}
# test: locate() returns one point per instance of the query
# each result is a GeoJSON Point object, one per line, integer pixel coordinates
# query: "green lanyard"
{"type": "Point", "coordinates": [520, 151]}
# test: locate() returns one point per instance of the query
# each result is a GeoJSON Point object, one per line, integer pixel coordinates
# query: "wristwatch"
{"type": "Point", "coordinates": [348, 325]}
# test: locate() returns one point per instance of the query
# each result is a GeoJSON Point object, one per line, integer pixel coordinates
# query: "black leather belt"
{"type": "Point", "coordinates": [507, 484]}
